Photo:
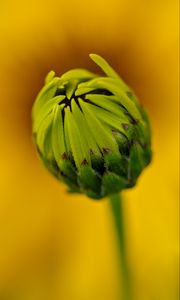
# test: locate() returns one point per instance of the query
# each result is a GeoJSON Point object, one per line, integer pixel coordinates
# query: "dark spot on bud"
{"type": "Point", "coordinates": [134, 121]}
{"type": "Point", "coordinates": [115, 132]}
{"type": "Point", "coordinates": [91, 152]}
{"type": "Point", "coordinates": [84, 162]}
{"type": "Point", "coordinates": [64, 156]}
{"type": "Point", "coordinates": [135, 142]}
{"type": "Point", "coordinates": [125, 126]}
{"type": "Point", "coordinates": [106, 150]}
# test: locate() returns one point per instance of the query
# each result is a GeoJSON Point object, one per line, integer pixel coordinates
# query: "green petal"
{"type": "Point", "coordinates": [49, 77]}
{"type": "Point", "coordinates": [71, 87]}
{"type": "Point", "coordinates": [59, 147]}
{"type": "Point", "coordinates": [103, 64]}
{"type": "Point", "coordinates": [108, 70]}
{"type": "Point", "coordinates": [83, 90]}
{"type": "Point", "coordinates": [66, 137]}
{"type": "Point", "coordinates": [46, 93]}
{"type": "Point", "coordinates": [48, 151]}
{"type": "Point", "coordinates": [102, 136]}
{"type": "Point", "coordinates": [112, 85]}
{"type": "Point", "coordinates": [82, 127]}
{"type": "Point", "coordinates": [78, 74]}
{"type": "Point", "coordinates": [58, 142]}
{"type": "Point", "coordinates": [108, 105]}
{"type": "Point", "coordinates": [108, 118]}
{"type": "Point", "coordinates": [45, 109]}
{"type": "Point", "coordinates": [43, 133]}
{"type": "Point", "coordinates": [75, 138]}
{"type": "Point", "coordinates": [90, 143]}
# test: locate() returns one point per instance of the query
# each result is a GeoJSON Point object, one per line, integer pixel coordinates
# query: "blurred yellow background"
{"type": "Point", "coordinates": [55, 246]}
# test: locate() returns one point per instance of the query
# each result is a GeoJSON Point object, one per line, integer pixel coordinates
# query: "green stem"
{"type": "Point", "coordinates": [117, 212]}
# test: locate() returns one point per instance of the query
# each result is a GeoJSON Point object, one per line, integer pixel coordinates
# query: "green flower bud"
{"type": "Point", "coordinates": [90, 131]}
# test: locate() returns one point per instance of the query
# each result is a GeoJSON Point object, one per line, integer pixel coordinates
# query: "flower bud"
{"type": "Point", "coordinates": [90, 131]}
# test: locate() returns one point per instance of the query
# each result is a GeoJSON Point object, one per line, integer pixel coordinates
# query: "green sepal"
{"type": "Point", "coordinates": [130, 131]}
{"type": "Point", "coordinates": [52, 166]}
{"type": "Point", "coordinates": [142, 133]}
{"type": "Point", "coordinates": [136, 160]}
{"type": "Point", "coordinates": [146, 119]}
{"type": "Point", "coordinates": [113, 183]}
{"type": "Point", "coordinates": [147, 155]}
{"type": "Point", "coordinates": [73, 188]}
{"type": "Point", "coordinates": [96, 196]}
{"type": "Point", "coordinates": [116, 163]}
{"type": "Point", "coordinates": [97, 162]}
{"type": "Point", "coordinates": [89, 179]}
{"type": "Point", "coordinates": [69, 170]}
{"type": "Point", "coordinates": [123, 142]}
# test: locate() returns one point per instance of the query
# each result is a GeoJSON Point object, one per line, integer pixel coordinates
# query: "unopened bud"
{"type": "Point", "coordinates": [90, 131]}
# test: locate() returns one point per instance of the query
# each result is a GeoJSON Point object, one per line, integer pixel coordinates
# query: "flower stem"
{"type": "Point", "coordinates": [117, 212]}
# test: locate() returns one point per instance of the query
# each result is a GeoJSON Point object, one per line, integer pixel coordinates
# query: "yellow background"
{"type": "Point", "coordinates": [55, 246]}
